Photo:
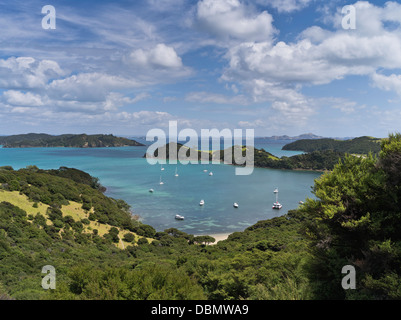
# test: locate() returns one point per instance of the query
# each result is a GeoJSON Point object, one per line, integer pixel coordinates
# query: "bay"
{"type": "Point", "coordinates": [128, 176]}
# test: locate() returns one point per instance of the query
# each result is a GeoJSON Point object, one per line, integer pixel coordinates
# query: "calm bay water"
{"type": "Point", "coordinates": [128, 176]}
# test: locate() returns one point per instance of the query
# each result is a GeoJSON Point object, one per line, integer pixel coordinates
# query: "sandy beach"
{"type": "Point", "coordinates": [220, 237]}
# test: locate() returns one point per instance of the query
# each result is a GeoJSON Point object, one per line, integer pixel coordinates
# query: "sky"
{"type": "Point", "coordinates": [280, 67]}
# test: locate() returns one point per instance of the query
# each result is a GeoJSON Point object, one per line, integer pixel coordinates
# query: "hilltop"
{"type": "Point", "coordinates": [35, 140]}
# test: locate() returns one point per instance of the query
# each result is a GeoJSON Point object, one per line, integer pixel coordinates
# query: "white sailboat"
{"type": "Point", "coordinates": [202, 203]}
{"type": "Point", "coordinates": [178, 217]}
{"type": "Point", "coordinates": [162, 169]}
{"type": "Point", "coordinates": [277, 205]}
{"type": "Point", "coordinates": [151, 190]}
{"type": "Point", "coordinates": [161, 182]}
{"type": "Point", "coordinates": [211, 173]}
{"type": "Point", "coordinates": [176, 174]}
{"type": "Point", "coordinates": [236, 205]}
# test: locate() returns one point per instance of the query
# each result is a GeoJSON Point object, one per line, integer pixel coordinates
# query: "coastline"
{"type": "Point", "coordinates": [219, 237]}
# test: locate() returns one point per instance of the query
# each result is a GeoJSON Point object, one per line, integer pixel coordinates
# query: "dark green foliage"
{"type": "Point", "coordinates": [362, 145]}
{"type": "Point", "coordinates": [129, 237]}
{"type": "Point", "coordinates": [357, 221]}
{"type": "Point", "coordinates": [33, 140]}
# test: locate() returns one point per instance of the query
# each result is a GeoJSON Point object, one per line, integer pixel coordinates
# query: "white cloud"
{"type": "Point", "coordinates": [89, 86]}
{"type": "Point", "coordinates": [161, 56]}
{"type": "Point", "coordinates": [387, 83]}
{"type": "Point", "coordinates": [233, 20]}
{"type": "Point", "coordinates": [18, 98]}
{"type": "Point", "coordinates": [27, 72]}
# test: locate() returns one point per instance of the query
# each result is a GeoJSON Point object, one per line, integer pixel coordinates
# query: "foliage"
{"type": "Point", "coordinates": [32, 140]}
{"type": "Point", "coordinates": [361, 145]}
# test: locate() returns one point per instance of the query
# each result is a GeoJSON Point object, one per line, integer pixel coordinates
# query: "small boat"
{"type": "Point", "coordinates": [211, 173]}
{"type": "Point", "coordinates": [151, 190]}
{"type": "Point", "coordinates": [176, 174]}
{"type": "Point", "coordinates": [204, 170]}
{"type": "Point", "coordinates": [162, 169]}
{"type": "Point", "coordinates": [178, 217]}
{"type": "Point", "coordinates": [202, 203]}
{"type": "Point", "coordinates": [277, 205]}
{"type": "Point", "coordinates": [161, 182]}
{"type": "Point", "coordinates": [301, 202]}
{"type": "Point", "coordinates": [236, 205]}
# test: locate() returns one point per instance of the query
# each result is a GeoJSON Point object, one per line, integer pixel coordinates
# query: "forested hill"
{"type": "Point", "coordinates": [362, 145]}
{"type": "Point", "coordinates": [33, 140]}
{"type": "Point", "coordinates": [315, 161]}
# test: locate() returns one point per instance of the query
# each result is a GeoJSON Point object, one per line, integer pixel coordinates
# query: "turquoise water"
{"type": "Point", "coordinates": [128, 176]}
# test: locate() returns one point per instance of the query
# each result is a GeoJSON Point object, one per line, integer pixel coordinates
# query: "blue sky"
{"type": "Point", "coordinates": [275, 66]}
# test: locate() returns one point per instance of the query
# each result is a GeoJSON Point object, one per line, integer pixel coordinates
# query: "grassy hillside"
{"type": "Point", "coordinates": [33, 140]}
{"type": "Point", "coordinates": [362, 145]}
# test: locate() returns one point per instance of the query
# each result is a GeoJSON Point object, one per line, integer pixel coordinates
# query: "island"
{"type": "Point", "coordinates": [41, 140]}
{"type": "Point", "coordinates": [320, 161]}
{"type": "Point", "coordinates": [361, 145]}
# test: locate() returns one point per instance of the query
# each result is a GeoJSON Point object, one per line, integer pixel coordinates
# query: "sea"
{"type": "Point", "coordinates": [127, 175]}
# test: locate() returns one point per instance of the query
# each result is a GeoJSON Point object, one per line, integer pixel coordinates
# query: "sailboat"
{"type": "Point", "coordinates": [202, 203]}
{"type": "Point", "coordinates": [211, 173]}
{"type": "Point", "coordinates": [236, 205]}
{"type": "Point", "coordinates": [161, 182]}
{"type": "Point", "coordinates": [176, 174]}
{"type": "Point", "coordinates": [162, 169]}
{"type": "Point", "coordinates": [277, 205]}
{"type": "Point", "coordinates": [151, 190]}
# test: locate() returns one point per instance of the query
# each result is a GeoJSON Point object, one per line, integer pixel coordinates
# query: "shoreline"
{"type": "Point", "coordinates": [219, 237]}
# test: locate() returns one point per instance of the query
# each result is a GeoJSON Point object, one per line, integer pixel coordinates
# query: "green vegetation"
{"type": "Point", "coordinates": [316, 161]}
{"type": "Point", "coordinates": [33, 140]}
{"type": "Point", "coordinates": [362, 145]}
{"type": "Point", "coordinates": [354, 220]}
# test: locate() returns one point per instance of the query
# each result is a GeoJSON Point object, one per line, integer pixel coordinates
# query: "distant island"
{"type": "Point", "coordinates": [315, 161]}
{"type": "Point", "coordinates": [41, 140]}
{"type": "Point", "coordinates": [361, 145]}
{"type": "Point", "coordinates": [309, 136]}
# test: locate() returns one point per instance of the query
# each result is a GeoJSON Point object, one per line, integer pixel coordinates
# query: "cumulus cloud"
{"type": "Point", "coordinates": [233, 20]}
{"type": "Point", "coordinates": [277, 72]}
{"type": "Point", "coordinates": [161, 56]}
{"type": "Point", "coordinates": [27, 72]}
{"type": "Point", "coordinates": [387, 83]}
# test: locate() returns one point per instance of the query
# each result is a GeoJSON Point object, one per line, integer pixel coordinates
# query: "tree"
{"type": "Point", "coordinates": [205, 240]}
{"type": "Point", "coordinates": [356, 220]}
{"type": "Point", "coordinates": [129, 237]}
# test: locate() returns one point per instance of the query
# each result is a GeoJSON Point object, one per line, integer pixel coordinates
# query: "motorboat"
{"type": "Point", "coordinates": [178, 217]}
{"type": "Point", "coordinates": [236, 205]}
{"type": "Point", "coordinates": [202, 203]}
{"type": "Point", "coordinates": [151, 190]}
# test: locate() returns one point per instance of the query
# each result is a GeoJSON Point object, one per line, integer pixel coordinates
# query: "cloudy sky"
{"type": "Point", "coordinates": [276, 66]}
